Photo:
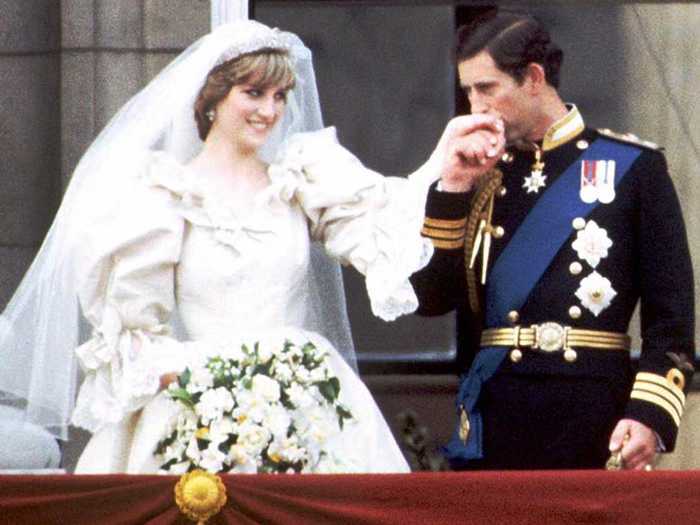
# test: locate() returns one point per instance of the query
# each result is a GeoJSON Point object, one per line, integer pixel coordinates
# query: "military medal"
{"type": "Point", "coordinates": [589, 187]}
{"type": "Point", "coordinates": [597, 181]}
{"type": "Point", "coordinates": [536, 180]}
{"type": "Point", "coordinates": [606, 182]}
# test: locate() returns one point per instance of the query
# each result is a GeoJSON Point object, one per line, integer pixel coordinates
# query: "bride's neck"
{"type": "Point", "coordinates": [222, 158]}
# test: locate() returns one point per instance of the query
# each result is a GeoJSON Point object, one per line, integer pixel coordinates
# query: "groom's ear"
{"type": "Point", "coordinates": [535, 78]}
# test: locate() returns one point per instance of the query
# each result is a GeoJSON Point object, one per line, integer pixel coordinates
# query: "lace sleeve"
{"type": "Point", "coordinates": [127, 295]}
{"type": "Point", "coordinates": [363, 218]}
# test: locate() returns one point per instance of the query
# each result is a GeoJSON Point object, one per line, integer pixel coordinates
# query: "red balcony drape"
{"type": "Point", "coordinates": [403, 499]}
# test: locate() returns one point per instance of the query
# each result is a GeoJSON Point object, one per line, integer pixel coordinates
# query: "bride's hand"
{"type": "Point", "coordinates": [166, 379]}
{"type": "Point", "coordinates": [474, 145]}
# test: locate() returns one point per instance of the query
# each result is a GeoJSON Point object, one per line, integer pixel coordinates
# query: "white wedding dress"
{"type": "Point", "coordinates": [179, 251]}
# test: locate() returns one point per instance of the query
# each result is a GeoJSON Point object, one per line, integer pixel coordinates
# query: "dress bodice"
{"type": "Point", "coordinates": [257, 281]}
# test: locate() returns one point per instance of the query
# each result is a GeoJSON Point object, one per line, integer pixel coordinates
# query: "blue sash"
{"type": "Point", "coordinates": [537, 241]}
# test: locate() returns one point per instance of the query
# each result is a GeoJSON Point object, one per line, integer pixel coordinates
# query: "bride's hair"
{"type": "Point", "coordinates": [264, 68]}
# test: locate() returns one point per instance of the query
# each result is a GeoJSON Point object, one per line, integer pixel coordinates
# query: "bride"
{"type": "Point", "coordinates": [183, 235]}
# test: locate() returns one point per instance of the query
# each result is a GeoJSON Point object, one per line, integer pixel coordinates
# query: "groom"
{"type": "Point", "coordinates": [547, 233]}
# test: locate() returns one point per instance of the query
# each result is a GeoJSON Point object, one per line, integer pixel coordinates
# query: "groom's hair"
{"type": "Point", "coordinates": [263, 68]}
{"type": "Point", "coordinates": [514, 41]}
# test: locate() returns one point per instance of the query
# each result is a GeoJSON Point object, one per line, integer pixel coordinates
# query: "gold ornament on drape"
{"type": "Point", "coordinates": [200, 495]}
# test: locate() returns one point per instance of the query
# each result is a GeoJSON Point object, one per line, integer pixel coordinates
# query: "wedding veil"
{"type": "Point", "coordinates": [40, 328]}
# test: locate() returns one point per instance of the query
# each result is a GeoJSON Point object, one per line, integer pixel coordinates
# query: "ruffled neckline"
{"type": "Point", "coordinates": [198, 204]}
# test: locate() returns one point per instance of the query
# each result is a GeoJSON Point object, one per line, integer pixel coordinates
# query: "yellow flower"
{"type": "Point", "coordinates": [202, 433]}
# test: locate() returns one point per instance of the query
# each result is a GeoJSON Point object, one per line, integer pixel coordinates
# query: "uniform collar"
{"type": "Point", "coordinates": [564, 129]}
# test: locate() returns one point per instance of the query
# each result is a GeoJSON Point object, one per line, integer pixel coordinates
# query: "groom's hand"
{"type": "Point", "coordinates": [474, 144]}
{"type": "Point", "coordinates": [637, 443]}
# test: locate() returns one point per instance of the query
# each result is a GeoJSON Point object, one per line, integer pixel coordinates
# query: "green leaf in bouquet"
{"type": "Point", "coordinates": [329, 389]}
{"type": "Point", "coordinates": [262, 369]}
{"type": "Point", "coordinates": [284, 399]}
{"type": "Point", "coordinates": [226, 445]}
{"type": "Point", "coordinates": [184, 378]}
{"type": "Point", "coordinates": [182, 395]}
{"type": "Point", "coordinates": [168, 464]}
{"type": "Point", "coordinates": [343, 414]}
{"type": "Point", "coordinates": [165, 443]}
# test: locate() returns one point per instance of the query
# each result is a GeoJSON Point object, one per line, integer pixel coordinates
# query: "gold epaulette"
{"type": "Point", "coordinates": [488, 186]}
{"type": "Point", "coordinates": [629, 138]}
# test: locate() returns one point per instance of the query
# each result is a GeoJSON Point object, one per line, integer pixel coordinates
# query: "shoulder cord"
{"type": "Point", "coordinates": [482, 200]}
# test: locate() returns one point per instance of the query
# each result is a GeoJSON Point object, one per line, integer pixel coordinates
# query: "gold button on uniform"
{"type": "Point", "coordinates": [575, 268]}
{"type": "Point", "coordinates": [574, 312]}
{"type": "Point", "coordinates": [513, 316]}
{"type": "Point", "coordinates": [582, 144]}
{"type": "Point", "coordinates": [676, 377]}
{"type": "Point", "coordinates": [579, 223]}
{"type": "Point", "coordinates": [498, 232]}
{"type": "Point", "coordinates": [516, 355]}
{"type": "Point", "coordinates": [502, 191]}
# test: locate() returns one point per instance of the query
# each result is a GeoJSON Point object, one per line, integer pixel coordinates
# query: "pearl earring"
{"type": "Point", "coordinates": [210, 115]}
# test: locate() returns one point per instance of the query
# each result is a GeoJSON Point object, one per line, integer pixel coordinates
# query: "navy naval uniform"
{"type": "Point", "coordinates": [553, 403]}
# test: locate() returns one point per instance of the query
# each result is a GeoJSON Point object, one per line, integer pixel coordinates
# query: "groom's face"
{"type": "Point", "coordinates": [492, 91]}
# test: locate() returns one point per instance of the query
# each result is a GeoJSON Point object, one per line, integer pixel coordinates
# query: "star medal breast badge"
{"type": "Point", "coordinates": [536, 180]}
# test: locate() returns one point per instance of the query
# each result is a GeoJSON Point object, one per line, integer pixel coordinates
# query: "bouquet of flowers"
{"type": "Point", "coordinates": [255, 408]}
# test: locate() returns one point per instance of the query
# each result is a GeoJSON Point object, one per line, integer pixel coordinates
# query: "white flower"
{"type": "Point", "coordinates": [264, 354]}
{"type": "Point", "coordinates": [283, 372]}
{"type": "Point", "coordinates": [266, 388]}
{"type": "Point", "coordinates": [317, 424]}
{"type": "Point", "coordinates": [212, 459]}
{"type": "Point", "coordinates": [253, 437]}
{"type": "Point", "coordinates": [595, 293]}
{"type": "Point", "coordinates": [244, 462]}
{"type": "Point", "coordinates": [213, 404]}
{"type": "Point", "coordinates": [293, 355]}
{"type": "Point", "coordinates": [200, 380]}
{"type": "Point", "coordinates": [186, 421]}
{"type": "Point", "coordinates": [318, 374]}
{"type": "Point", "coordinates": [299, 396]}
{"type": "Point", "coordinates": [592, 243]}
{"type": "Point", "coordinates": [250, 407]}
{"type": "Point", "coordinates": [278, 421]}
{"type": "Point", "coordinates": [174, 451]}
{"type": "Point", "coordinates": [302, 374]}
{"type": "Point", "coordinates": [192, 450]}
{"type": "Point", "coordinates": [222, 427]}
{"type": "Point", "coordinates": [177, 468]}
{"type": "Point", "coordinates": [286, 449]}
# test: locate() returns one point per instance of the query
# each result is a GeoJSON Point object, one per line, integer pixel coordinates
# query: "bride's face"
{"type": "Point", "coordinates": [249, 112]}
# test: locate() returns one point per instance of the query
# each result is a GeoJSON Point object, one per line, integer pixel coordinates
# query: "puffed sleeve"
{"type": "Point", "coordinates": [363, 219]}
{"type": "Point", "coordinates": [127, 296]}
